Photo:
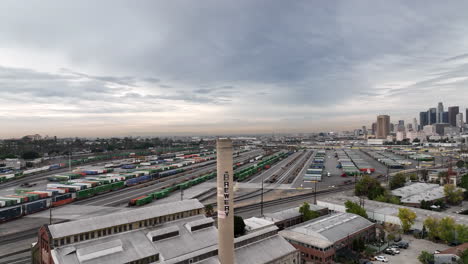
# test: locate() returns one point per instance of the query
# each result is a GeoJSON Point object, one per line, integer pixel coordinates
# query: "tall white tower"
{"type": "Point", "coordinates": [225, 201]}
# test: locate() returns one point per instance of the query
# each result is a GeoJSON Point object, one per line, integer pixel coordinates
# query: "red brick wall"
{"type": "Point", "coordinates": [44, 246]}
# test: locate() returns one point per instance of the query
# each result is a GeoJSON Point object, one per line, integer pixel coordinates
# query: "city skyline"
{"type": "Point", "coordinates": [108, 69]}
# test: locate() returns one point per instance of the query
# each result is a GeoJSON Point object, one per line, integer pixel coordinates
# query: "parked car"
{"type": "Point", "coordinates": [403, 244]}
{"type": "Point", "coordinates": [381, 258]}
{"type": "Point", "coordinates": [395, 250]}
{"type": "Point", "coordinates": [397, 239]}
{"type": "Point", "coordinates": [389, 251]}
{"type": "Point", "coordinates": [437, 251]}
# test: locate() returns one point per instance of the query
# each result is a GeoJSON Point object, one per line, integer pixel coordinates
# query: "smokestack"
{"type": "Point", "coordinates": [225, 201]}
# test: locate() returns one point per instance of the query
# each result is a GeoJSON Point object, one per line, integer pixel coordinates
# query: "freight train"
{"type": "Point", "coordinates": [238, 176]}
{"type": "Point", "coordinates": [60, 193]}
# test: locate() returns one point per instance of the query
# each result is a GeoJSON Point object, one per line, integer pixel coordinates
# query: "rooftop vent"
{"type": "Point", "coordinates": [99, 250]}
{"type": "Point", "coordinates": [163, 233]}
{"type": "Point", "coordinates": [199, 224]}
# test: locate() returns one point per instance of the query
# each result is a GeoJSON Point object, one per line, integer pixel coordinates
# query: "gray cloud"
{"type": "Point", "coordinates": [243, 59]}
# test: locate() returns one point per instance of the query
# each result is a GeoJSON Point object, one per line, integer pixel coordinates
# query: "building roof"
{"type": "Point", "coordinates": [119, 248]}
{"type": "Point", "coordinates": [258, 247]}
{"type": "Point", "coordinates": [388, 212]}
{"type": "Point", "coordinates": [416, 192]}
{"type": "Point", "coordinates": [326, 230]}
{"type": "Point", "coordinates": [289, 213]}
{"type": "Point", "coordinates": [120, 218]}
{"type": "Point", "coordinates": [255, 223]}
{"type": "Point", "coordinates": [458, 250]}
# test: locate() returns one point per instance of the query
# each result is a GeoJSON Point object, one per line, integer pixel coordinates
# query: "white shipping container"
{"type": "Point", "coordinates": [9, 176]}
{"type": "Point", "coordinates": [2, 203]}
{"type": "Point", "coordinates": [18, 200]}
{"type": "Point", "coordinates": [56, 189]}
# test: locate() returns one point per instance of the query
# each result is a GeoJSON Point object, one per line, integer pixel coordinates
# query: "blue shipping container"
{"type": "Point", "coordinates": [10, 213]}
{"type": "Point", "coordinates": [35, 206]}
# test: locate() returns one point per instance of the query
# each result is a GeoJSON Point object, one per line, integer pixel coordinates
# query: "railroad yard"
{"type": "Point", "coordinates": [278, 177]}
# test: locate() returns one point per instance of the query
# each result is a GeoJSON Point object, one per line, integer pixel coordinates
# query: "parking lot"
{"type": "Point", "coordinates": [410, 255]}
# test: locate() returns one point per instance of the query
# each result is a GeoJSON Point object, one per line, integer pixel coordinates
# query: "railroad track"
{"type": "Point", "coordinates": [115, 198]}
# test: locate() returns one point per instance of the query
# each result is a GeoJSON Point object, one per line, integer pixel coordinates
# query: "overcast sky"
{"type": "Point", "coordinates": [116, 68]}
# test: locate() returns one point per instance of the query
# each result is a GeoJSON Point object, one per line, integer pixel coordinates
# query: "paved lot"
{"type": "Point", "coordinates": [410, 255]}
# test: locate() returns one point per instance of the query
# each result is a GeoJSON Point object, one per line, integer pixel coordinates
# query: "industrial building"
{"type": "Point", "coordinates": [388, 213]}
{"type": "Point", "coordinates": [282, 219]}
{"type": "Point", "coordinates": [451, 255]}
{"type": "Point", "coordinates": [413, 194]}
{"type": "Point", "coordinates": [321, 239]}
{"type": "Point", "coordinates": [176, 232]}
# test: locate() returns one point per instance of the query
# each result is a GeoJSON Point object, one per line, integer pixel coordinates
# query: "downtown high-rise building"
{"type": "Point", "coordinates": [383, 126]}
{"type": "Point", "coordinates": [415, 124]}
{"type": "Point", "coordinates": [460, 121]}
{"type": "Point", "coordinates": [440, 113]}
{"type": "Point", "coordinates": [432, 115]}
{"type": "Point", "coordinates": [445, 118]}
{"type": "Point", "coordinates": [466, 116]}
{"type": "Point", "coordinates": [423, 120]}
{"type": "Point", "coordinates": [401, 125]}
{"type": "Point", "coordinates": [452, 115]}
{"type": "Point", "coordinates": [374, 129]}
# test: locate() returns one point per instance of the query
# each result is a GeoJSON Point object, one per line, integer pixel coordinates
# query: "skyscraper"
{"type": "Point", "coordinates": [432, 115]}
{"type": "Point", "coordinates": [466, 116]}
{"type": "Point", "coordinates": [445, 118]}
{"type": "Point", "coordinates": [440, 113]}
{"type": "Point", "coordinates": [423, 121]}
{"type": "Point", "coordinates": [374, 129]}
{"type": "Point", "coordinates": [383, 126]}
{"type": "Point", "coordinates": [415, 124]}
{"type": "Point", "coordinates": [401, 125]}
{"type": "Point", "coordinates": [452, 115]}
{"type": "Point", "coordinates": [460, 122]}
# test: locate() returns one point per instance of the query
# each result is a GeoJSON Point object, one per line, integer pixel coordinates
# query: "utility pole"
{"type": "Point", "coordinates": [50, 214]}
{"type": "Point", "coordinates": [181, 193]}
{"type": "Point", "coordinates": [69, 161]}
{"type": "Point", "coordinates": [261, 199]}
{"type": "Point", "coordinates": [315, 192]}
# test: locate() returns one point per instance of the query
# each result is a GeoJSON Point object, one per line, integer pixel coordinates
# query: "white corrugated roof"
{"type": "Point", "coordinates": [120, 218]}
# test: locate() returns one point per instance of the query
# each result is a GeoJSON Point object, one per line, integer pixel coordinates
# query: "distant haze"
{"type": "Point", "coordinates": [115, 68]}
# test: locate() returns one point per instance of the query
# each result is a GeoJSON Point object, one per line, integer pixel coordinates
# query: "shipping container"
{"type": "Point", "coordinates": [8, 214]}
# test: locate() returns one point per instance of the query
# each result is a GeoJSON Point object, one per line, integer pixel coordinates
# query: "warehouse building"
{"type": "Point", "coordinates": [321, 239]}
{"type": "Point", "coordinates": [413, 194]}
{"type": "Point", "coordinates": [176, 232]}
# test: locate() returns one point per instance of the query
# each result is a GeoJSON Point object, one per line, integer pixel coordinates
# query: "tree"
{"type": "Point", "coordinates": [462, 233]}
{"type": "Point", "coordinates": [424, 174]}
{"type": "Point", "coordinates": [354, 208]}
{"type": "Point", "coordinates": [460, 164]}
{"type": "Point", "coordinates": [426, 205]}
{"type": "Point", "coordinates": [414, 177]}
{"type": "Point", "coordinates": [307, 214]}
{"type": "Point", "coordinates": [453, 194]}
{"type": "Point", "coordinates": [407, 218]}
{"type": "Point", "coordinates": [239, 226]}
{"type": "Point", "coordinates": [29, 155]}
{"type": "Point", "coordinates": [416, 140]}
{"type": "Point", "coordinates": [446, 229]}
{"type": "Point", "coordinates": [209, 210]}
{"type": "Point", "coordinates": [464, 182]}
{"type": "Point", "coordinates": [463, 257]}
{"type": "Point", "coordinates": [397, 181]}
{"type": "Point", "coordinates": [426, 257]}
{"type": "Point", "coordinates": [368, 186]}
{"type": "Point", "coordinates": [432, 225]}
